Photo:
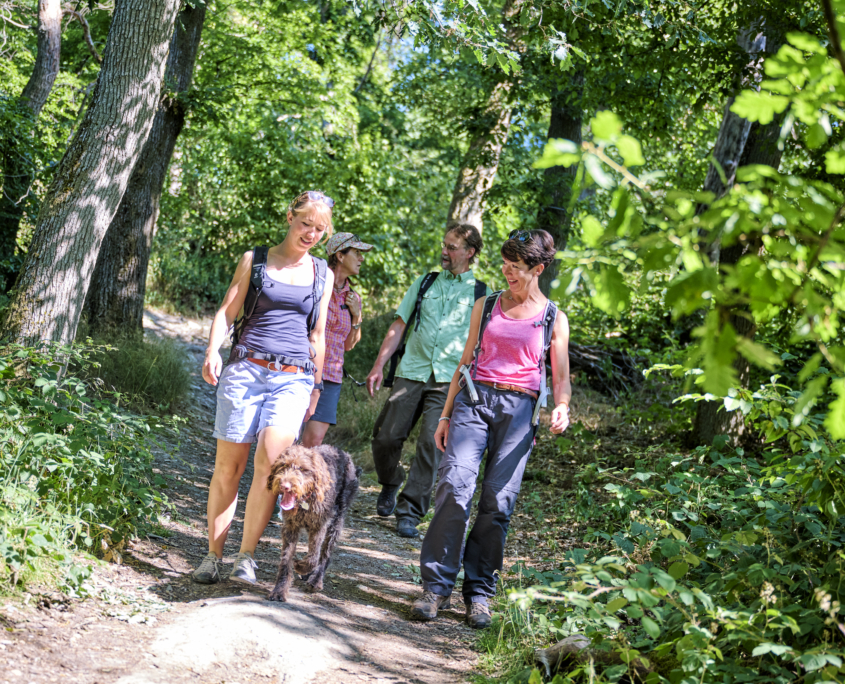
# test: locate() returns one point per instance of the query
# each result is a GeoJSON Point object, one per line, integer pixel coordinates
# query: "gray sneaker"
{"type": "Point", "coordinates": [244, 570]}
{"type": "Point", "coordinates": [209, 570]}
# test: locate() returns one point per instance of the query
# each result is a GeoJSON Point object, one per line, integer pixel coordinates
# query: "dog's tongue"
{"type": "Point", "coordinates": [287, 501]}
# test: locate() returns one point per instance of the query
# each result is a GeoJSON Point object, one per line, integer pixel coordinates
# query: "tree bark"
{"type": "Point", "coordinates": [553, 215]}
{"type": "Point", "coordinates": [481, 162]}
{"type": "Point", "coordinates": [733, 133]}
{"type": "Point", "coordinates": [115, 299]}
{"type": "Point", "coordinates": [760, 147]}
{"type": "Point", "coordinates": [17, 170]}
{"type": "Point", "coordinates": [37, 89]}
{"type": "Point", "coordinates": [92, 176]}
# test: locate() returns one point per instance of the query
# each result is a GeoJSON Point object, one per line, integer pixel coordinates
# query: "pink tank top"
{"type": "Point", "coordinates": [511, 350]}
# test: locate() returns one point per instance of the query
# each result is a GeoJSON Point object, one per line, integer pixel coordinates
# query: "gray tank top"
{"type": "Point", "coordinates": [278, 324]}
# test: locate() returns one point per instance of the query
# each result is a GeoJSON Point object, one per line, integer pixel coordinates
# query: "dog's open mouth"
{"type": "Point", "coordinates": [287, 500]}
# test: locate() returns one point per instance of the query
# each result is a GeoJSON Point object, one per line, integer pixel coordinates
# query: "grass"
{"type": "Point", "coordinates": [149, 373]}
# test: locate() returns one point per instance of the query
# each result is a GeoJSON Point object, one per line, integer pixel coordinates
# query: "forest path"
{"type": "Point", "coordinates": [149, 623]}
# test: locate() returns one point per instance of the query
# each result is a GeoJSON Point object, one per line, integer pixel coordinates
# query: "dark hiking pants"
{"type": "Point", "coordinates": [409, 400]}
{"type": "Point", "coordinates": [501, 423]}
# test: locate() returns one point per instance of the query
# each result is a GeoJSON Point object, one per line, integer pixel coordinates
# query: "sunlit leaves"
{"type": "Point", "coordinates": [610, 293]}
{"type": "Point", "coordinates": [760, 107]}
{"type": "Point", "coordinates": [835, 420]}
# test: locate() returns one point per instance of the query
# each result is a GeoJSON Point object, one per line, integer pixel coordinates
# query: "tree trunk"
{"type": "Point", "coordinates": [481, 162]}
{"type": "Point", "coordinates": [17, 170]}
{"type": "Point", "coordinates": [761, 147]}
{"type": "Point", "coordinates": [553, 215]}
{"type": "Point", "coordinates": [479, 167]}
{"type": "Point", "coordinates": [115, 299]}
{"type": "Point", "coordinates": [37, 89]}
{"type": "Point", "coordinates": [92, 176]}
{"type": "Point", "coordinates": [734, 130]}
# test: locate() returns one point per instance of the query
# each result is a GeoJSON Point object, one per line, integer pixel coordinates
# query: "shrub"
{"type": "Point", "coordinates": [77, 469]}
{"type": "Point", "coordinates": [715, 566]}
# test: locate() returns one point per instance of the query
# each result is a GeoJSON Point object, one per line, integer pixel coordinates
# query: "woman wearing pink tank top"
{"type": "Point", "coordinates": [494, 412]}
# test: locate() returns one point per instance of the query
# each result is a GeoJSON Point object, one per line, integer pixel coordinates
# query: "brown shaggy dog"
{"type": "Point", "coordinates": [316, 487]}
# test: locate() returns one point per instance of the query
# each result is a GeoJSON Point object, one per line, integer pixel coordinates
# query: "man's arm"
{"type": "Point", "coordinates": [394, 336]}
{"type": "Point", "coordinates": [388, 346]}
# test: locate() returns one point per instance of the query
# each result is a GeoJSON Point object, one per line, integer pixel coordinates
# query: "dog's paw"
{"type": "Point", "coordinates": [303, 567]}
{"type": "Point", "coordinates": [278, 595]}
{"type": "Point", "coordinates": [314, 585]}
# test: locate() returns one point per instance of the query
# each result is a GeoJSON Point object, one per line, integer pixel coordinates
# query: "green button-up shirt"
{"type": "Point", "coordinates": [437, 345]}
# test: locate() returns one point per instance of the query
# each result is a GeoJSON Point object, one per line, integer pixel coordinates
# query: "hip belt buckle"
{"type": "Point", "coordinates": [274, 366]}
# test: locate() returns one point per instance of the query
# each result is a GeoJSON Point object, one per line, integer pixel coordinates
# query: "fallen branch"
{"type": "Point", "coordinates": [610, 370]}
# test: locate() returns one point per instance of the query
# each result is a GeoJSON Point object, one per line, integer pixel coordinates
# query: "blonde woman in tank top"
{"type": "Point", "coordinates": [507, 380]}
{"type": "Point", "coordinates": [273, 380]}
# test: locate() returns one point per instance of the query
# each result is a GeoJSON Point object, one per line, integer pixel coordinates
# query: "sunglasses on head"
{"type": "Point", "coordinates": [315, 196]}
{"type": "Point", "coordinates": [521, 236]}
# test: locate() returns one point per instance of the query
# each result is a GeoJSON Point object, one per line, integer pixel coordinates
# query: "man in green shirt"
{"type": "Point", "coordinates": [432, 354]}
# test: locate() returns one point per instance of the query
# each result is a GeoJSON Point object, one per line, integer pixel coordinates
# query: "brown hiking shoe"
{"type": "Point", "coordinates": [478, 615]}
{"type": "Point", "coordinates": [426, 608]}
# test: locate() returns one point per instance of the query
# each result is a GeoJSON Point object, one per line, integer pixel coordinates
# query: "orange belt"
{"type": "Point", "coordinates": [273, 366]}
{"type": "Point", "coordinates": [509, 388]}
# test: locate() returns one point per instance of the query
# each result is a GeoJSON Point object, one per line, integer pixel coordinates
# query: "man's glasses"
{"type": "Point", "coordinates": [521, 236]}
{"type": "Point", "coordinates": [315, 196]}
{"type": "Point", "coordinates": [450, 248]}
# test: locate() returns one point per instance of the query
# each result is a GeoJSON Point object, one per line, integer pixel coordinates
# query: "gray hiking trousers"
{"type": "Point", "coordinates": [501, 423]}
{"type": "Point", "coordinates": [409, 400]}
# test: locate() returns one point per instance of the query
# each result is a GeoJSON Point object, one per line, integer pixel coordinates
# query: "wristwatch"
{"type": "Point", "coordinates": [355, 326]}
{"type": "Point", "coordinates": [318, 386]}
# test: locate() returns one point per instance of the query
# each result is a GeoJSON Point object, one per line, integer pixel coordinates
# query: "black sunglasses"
{"type": "Point", "coordinates": [521, 236]}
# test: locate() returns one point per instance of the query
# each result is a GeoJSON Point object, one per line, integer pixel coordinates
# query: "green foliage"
{"type": "Point", "coordinates": [788, 226]}
{"type": "Point", "coordinates": [711, 566]}
{"type": "Point", "coordinates": [77, 470]}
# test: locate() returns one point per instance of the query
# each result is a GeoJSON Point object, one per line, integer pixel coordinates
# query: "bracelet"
{"type": "Point", "coordinates": [444, 418]}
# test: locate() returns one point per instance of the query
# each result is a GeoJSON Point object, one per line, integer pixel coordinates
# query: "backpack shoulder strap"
{"type": "Point", "coordinates": [427, 282]}
{"type": "Point", "coordinates": [548, 323]}
{"type": "Point", "coordinates": [480, 289]}
{"type": "Point", "coordinates": [486, 313]}
{"type": "Point", "coordinates": [425, 286]}
{"type": "Point", "coordinates": [259, 265]}
{"type": "Point", "coordinates": [256, 285]}
{"type": "Point", "coordinates": [319, 286]}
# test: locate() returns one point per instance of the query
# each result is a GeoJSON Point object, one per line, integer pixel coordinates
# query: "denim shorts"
{"type": "Point", "coordinates": [326, 411]}
{"type": "Point", "coordinates": [251, 398]}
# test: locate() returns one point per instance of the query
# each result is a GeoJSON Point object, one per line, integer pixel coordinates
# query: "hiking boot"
{"type": "Point", "coordinates": [426, 608]}
{"type": "Point", "coordinates": [244, 570]}
{"type": "Point", "coordinates": [478, 615]}
{"type": "Point", "coordinates": [209, 570]}
{"type": "Point", "coordinates": [406, 528]}
{"type": "Point", "coordinates": [386, 503]}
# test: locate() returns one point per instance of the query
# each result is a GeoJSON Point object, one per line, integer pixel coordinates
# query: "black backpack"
{"type": "Point", "coordinates": [256, 284]}
{"type": "Point", "coordinates": [548, 323]}
{"type": "Point", "coordinates": [427, 282]}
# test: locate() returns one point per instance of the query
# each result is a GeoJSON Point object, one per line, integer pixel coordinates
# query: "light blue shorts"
{"type": "Point", "coordinates": [251, 398]}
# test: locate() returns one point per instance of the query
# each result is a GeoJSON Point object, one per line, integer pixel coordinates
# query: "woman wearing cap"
{"type": "Point", "coordinates": [343, 330]}
{"type": "Point", "coordinates": [273, 379]}
{"type": "Point", "coordinates": [493, 404]}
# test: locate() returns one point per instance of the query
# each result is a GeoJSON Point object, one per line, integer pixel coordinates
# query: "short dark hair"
{"type": "Point", "coordinates": [469, 234]}
{"type": "Point", "coordinates": [540, 249]}
{"type": "Point", "coordinates": [333, 256]}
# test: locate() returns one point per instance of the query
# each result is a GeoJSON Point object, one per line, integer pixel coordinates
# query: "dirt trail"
{"type": "Point", "coordinates": [147, 622]}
